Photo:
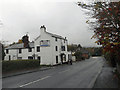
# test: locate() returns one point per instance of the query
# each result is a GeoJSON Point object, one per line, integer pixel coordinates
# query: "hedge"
{"type": "Point", "coordinates": [111, 58]}
{"type": "Point", "coordinates": [19, 65]}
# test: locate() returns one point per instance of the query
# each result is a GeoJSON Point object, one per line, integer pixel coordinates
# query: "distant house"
{"type": "Point", "coordinates": [17, 51]}
{"type": "Point", "coordinates": [85, 54]}
{"type": "Point", "coordinates": [71, 56]}
{"type": "Point", "coordinates": [47, 47]}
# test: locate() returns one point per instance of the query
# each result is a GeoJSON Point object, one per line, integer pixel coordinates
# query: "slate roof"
{"type": "Point", "coordinates": [83, 51]}
{"type": "Point", "coordinates": [16, 46]}
{"type": "Point", "coordinates": [54, 35]}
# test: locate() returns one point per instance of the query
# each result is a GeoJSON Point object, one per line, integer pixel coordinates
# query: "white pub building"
{"type": "Point", "coordinates": [49, 48]}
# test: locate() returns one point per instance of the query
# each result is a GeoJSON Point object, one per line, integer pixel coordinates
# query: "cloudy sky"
{"type": "Point", "coordinates": [64, 18]}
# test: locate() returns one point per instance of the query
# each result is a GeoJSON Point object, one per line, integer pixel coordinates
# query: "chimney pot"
{"type": "Point", "coordinates": [42, 29]}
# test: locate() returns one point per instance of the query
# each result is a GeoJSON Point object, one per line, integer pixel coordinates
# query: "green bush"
{"type": "Point", "coordinates": [19, 65]}
{"type": "Point", "coordinates": [111, 58]}
{"type": "Point", "coordinates": [78, 55]}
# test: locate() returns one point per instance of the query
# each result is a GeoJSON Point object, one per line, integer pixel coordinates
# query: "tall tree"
{"type": "Point", "coordinates": [106, 24]}
{"type": "Point", "coordinates": [3, 53]}
{"type": "Point", "coordinates": [72, 47]}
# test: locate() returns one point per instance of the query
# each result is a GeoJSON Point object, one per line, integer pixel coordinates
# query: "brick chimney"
{"type": "Point", "coordinates": [42, 29]}
{"type": "Point", "coordinates": [25, 40]}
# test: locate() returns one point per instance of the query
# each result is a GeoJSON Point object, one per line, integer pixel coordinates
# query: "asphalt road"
{"type": "Point", "coordinates": [81, 74]}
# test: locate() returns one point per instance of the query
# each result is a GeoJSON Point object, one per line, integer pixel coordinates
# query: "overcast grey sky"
{"type": "Point", "coordinates": [62, 18]}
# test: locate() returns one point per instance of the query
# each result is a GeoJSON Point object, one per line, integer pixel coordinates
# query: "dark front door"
{"type": "Point", "coordinates": [63, 57]}
{"type": "Point", "coordinates": [39, 58]}
{"type": "Point", "coordinates": [9, 57]}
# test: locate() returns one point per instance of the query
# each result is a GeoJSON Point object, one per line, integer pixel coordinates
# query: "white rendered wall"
{"type": "Point", "coordinates": [48, 54]}
{"type": "Point", "coordinates": [25, 53]}
{"type": "Point", "coordinates": [45, 53]}
{"type": "Point", "coordinates": [14, 53]}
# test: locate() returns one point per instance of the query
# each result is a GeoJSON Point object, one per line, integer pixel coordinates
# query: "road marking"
{"type": "Point", "coordinates": [91, 85]}
{"type": "Point", "coordinates": [64, 71]}
{"type": "Point", "coordinates": [35, 81]}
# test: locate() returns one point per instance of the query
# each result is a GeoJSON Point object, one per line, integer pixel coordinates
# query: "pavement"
{"type": "Point", "coordinates": [16, 73]}
{"type": "Point", "coordinates": [107, 79]}
{"type": "Point", "coordinates": [81, 74]}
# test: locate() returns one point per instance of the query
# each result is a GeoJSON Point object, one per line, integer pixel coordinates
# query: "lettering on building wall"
{"type": "Point", "coordinates": [45, 43]}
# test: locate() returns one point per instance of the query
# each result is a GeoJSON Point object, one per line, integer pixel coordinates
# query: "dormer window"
{"type": "Point", "coordinates": [64, 40]}
{"type": "Point", "coordinates": [7, 51]}
{"type": "Point", "coordinates": [38, 48]}
{"type": "Point", "coordinates": [29, 49]}
{"type": "Point", "coordinates": [20, 50]}
{"type": "Point", "coordinates": [55, 38]}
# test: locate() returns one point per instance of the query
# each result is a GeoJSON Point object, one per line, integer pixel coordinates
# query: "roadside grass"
{"type": "Point", "coordinates": [117, 75]}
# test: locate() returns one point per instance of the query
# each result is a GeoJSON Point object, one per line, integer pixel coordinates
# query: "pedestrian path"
{"type": "Point", "coordinates": [106, 79]}
{"type": "Point", "coordinates": [24, 72]}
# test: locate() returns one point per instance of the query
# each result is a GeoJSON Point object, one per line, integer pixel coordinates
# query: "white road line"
{"type": "Point", "coordinates": [94, 79]}
{"type": "Point", "coordinates": [64, 71]}
{"type": "Point", "coordinates": [35, 81]}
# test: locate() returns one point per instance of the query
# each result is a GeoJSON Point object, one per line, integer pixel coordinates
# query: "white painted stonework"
{"type": "Point", "coordinates": [47, 54]}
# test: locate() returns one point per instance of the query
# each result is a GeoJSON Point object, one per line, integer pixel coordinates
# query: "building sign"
{"type": "Point", "coordinates": [45, 43]}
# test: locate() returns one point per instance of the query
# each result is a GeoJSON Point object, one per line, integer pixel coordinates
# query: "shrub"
{"type": "Point", "coordinates": [19, 65]}
{"type": "Point", "coordinates": [111, 57]}
{"type": "Point", "coordinates": [78, 55]}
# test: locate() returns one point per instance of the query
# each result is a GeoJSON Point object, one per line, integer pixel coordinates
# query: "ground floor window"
{"type": "Point", "coordinates": [19, 58]}
{"type": "Point", "coordinates": [29, 49]}
{"type": "Point", "coordinates": [38, 57]}
{"type": "Point", "coordinates": [30, 57]}
{"type": "Point", "coordinates": [38, 48]}
{"type": "Point", "coordinates": [56, 59]}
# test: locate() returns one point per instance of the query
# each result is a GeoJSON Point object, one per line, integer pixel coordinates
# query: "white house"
{"type": "Point", "coordinates": [47, 47]}
{"type": "Point", "coordinates": [17, 51]}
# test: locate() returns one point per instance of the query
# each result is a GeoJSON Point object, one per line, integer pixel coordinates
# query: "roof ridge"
{"type": "Point", "coordinates": [19, 45]}
{"type": "Point", "coordinates": [55, 35]}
